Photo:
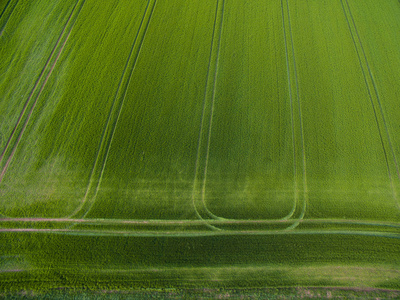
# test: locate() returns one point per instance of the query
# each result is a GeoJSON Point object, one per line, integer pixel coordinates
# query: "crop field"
{"type": "Point", "coordinates": [202, 144]}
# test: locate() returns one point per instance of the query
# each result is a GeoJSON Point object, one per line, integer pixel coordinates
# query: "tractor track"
{"type": "Point", "coordinates": [361, 55]}
{"type": "Point", "coordinates": [114, 115]}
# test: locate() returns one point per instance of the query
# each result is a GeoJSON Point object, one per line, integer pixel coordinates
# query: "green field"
{"type": "Point", "coordinates": [153, 144]}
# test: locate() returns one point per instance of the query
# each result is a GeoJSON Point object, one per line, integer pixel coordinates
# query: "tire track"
{"type": "Point", "coordinates": [36, 84]}
{"type": "Point", "coordinates": [207, 211]}
{"type": "Point", "coordinates": [211, 79]}
{"type": "Point", "coordinates": [5, 8]}
{"type": "Point", "coordinates": [369, 77]}
{"type": "Point", "coordinates": [33, 105]}
{"type": "Point", "coordinates": [114, 115]}
{"type": "Point", "coordinates": [182, 227]}
{"type": "Point", "coordinates": [377, 97]}
{"type": "Point", "coordinates": [114, 233]}
{"type": "Point", "coordinates": [291, 117]}
{"type": "Point", "coordinates": [301, 129]}
{"type": "Point", "coordinates": [215, 75]}
{"type": "Point", "coordinates": [191, 222]}
{"type": "Point", "coordinates": [3, 26]}
{"type": "Point", "coordinates": [304, 171]}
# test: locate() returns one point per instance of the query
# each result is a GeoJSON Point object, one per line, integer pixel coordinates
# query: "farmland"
{"type": "Point", "coordinates": [205, 143]}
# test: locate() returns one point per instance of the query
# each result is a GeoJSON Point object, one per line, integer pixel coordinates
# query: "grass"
{"type": "Point", "coordinates": [160, 135]}
{"type": "Point", "coordinates": [54, 122]}
{"type": "Point", "coordinates": [220, 144]}
{"type": "Point", "coordinates": [332, 95]}
{"type": "Point", "coordinates": [186, 262]}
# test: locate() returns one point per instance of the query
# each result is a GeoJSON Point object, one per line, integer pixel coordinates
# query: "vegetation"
{"type": "Point", "coordinates": [226, 144]}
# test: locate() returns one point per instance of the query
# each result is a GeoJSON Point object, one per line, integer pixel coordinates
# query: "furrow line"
{"type": "Point", "coordinates": [114, 115]}
{"type": "Point", "coordinates": [4, 170]}
{"type": "Point", "coordinates": [371, 100]}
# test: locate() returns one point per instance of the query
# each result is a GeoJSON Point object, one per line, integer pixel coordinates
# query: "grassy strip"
{"type": "Point", "coordinates": [233, 260]}
{"type": "Point", "coordinates": [210, 250]}
{"type": "Point", "coordinates": [210, 293]}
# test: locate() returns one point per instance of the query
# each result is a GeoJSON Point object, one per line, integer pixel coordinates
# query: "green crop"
{"type": "Point", "coordinates": [205, 143]}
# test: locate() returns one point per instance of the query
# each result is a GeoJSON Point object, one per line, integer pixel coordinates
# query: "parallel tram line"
{"type": "Point", "coordinates": [362, 56]}
{"type": "Point", "coordinates": [36, 84]}
{"type": "Point", "coordinates": [189, 222]}
{"type": "Point", "coordinates": [207, 211]}
{"type": "Point", "coordinates": [214, 51]}
{"type": "Point", "coordinates": [107, 138]}
{"type": "Point", "coordinates": [5, 8]}
{"type": "Point", "coordinates": [29, 115]}
{"type": "Point", "coordinates": [376, 94]}
{"type": "Point", "coordinates": [291, 117]}
{"type": "Point", "coordinates": [300, 121]}
{"type": "Point", "coordinates": [114, 115]}
{"type": "Point", "coordinates": [186, 228]}
{"type": "Point", "coordinates": [215, 75]}
{"type": "Point", "coordinates": [114, 233]}
{"type": "Point", "coordinates": [304, 171]}
{"type": "Point", "coordinates": [3, 26]}
{"type": "Point", "coordinates": [33, 105]}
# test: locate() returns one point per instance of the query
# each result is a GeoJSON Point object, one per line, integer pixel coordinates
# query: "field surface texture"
{"type": "Point", "coordinates": [151, 144]}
